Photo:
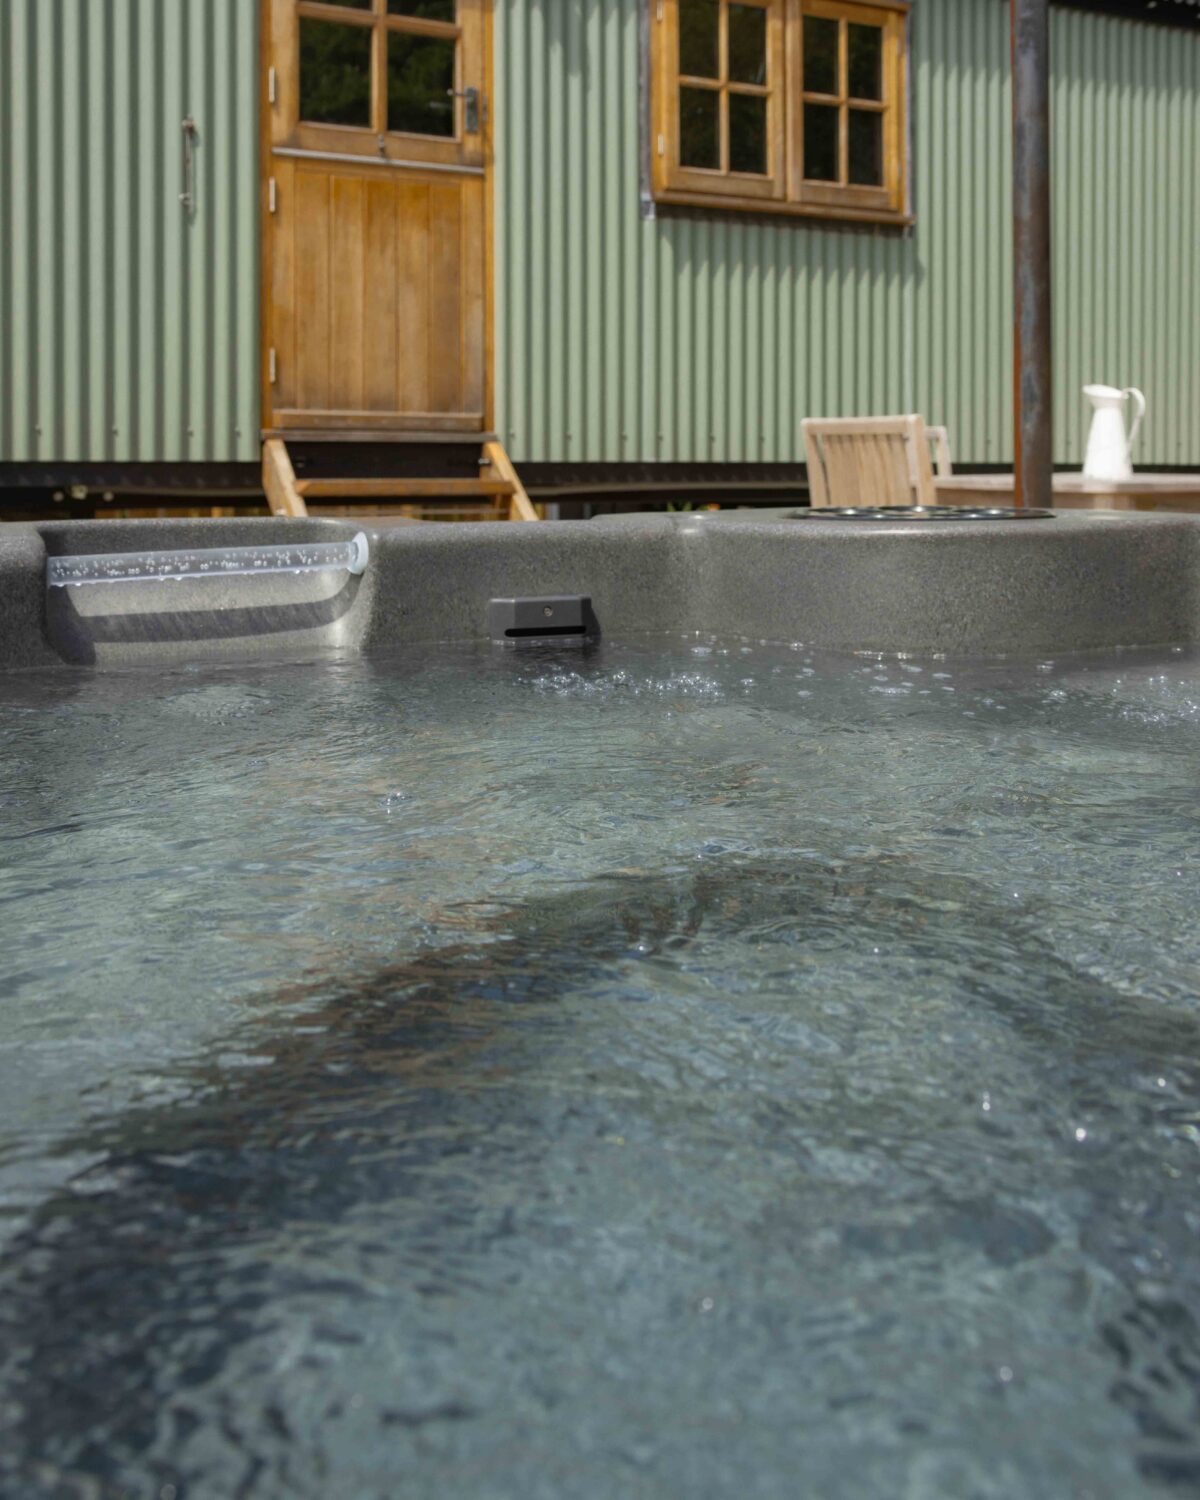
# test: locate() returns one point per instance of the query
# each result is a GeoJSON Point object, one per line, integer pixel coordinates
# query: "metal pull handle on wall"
{"type": "Point", "coordinates": [190, 135]}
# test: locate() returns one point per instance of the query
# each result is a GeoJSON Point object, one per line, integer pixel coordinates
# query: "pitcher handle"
{"type": "Point", "coordinates": [1141, 412]}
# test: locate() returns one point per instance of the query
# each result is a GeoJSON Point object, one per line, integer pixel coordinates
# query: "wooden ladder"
{"type": "Point", "coordinates": [498, 483]}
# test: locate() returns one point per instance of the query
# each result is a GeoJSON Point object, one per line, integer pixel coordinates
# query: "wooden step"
{"type": "Point", "coordinates": [497, 482]}
{"type": "Point", "coordinates": [417, 436]}
{"type": "Point", "coordinates": [403, 489]}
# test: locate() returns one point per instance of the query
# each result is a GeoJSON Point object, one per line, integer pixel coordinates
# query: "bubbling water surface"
{"type": "Point", "coordinates": [690, 1068]}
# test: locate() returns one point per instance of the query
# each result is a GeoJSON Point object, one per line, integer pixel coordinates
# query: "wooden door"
{"type": "Point", "coordinates": [374, 207]}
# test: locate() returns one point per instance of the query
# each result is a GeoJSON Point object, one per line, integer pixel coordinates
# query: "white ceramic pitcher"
{"type": "Point", "coordinates": [1108, 445]}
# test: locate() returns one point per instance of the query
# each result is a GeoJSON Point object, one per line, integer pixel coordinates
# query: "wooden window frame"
{"type": "Point", "coordinates": [376, 141]}
{"type": "Point", "coordinates": [723, 183]}
{"type": "Point", "coordinates": [784, 189]}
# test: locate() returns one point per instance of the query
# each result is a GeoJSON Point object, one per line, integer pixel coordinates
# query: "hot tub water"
{"type": "Point", "coordinates": [688, 1069]}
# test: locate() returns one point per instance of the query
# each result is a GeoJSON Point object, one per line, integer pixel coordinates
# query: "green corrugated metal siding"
{"type": "Point", "coordinates": [127, 331]}
{"type": "Point", "coordinates": [686, 339]}
{"type": "Point", "coordinates": [1127, 200]}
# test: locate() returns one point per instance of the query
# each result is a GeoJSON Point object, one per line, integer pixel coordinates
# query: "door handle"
{"type": "Point", "coordinates": [471, 113]}
{"type": "Point", "coordinates": [188, 196]}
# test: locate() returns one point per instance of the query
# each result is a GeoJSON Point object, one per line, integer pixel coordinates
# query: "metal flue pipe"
{"type": "Point", "coordinates": [1033, 407]}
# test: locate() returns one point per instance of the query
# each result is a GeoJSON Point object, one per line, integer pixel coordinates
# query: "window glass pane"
{"type": "Point", "coordinates": [335, 73]}
{"type": "Point", "coordinates": [352, 4]}
{"type": "Point", "coordinates": [865, 50]}
{"type": "Point", "coordinates": [820, 56]}
{"type": "Point", "coordinates": [866, 147]}
{"type": "Point", "coordinates": [700, 128]}
{"type": "Point", "coordinates": [428, 10]}
{"type": "Point", "coordinates": [699, 37]}
{"type": "Point", "coordinates": [821, 142]}
{"type": "Point", "coordinates": [747, 44]}
{"type": "Point", "coordinates": [420, 77]}
{"type": "Point", "coordinates": [748, 133]}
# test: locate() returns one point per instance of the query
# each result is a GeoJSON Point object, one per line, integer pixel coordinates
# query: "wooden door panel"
{"type": "Point", "coordinates": [348, 322]}
{"type": "Point", "coordinates": [375, 307]}
{"type": "Point", "coordinates": [474, 300]}
{"type": "Point", "coordinates": [310, 311]}
{"type": "Point", "coordinates": [378, 309]}
{"type": "Point", "coordinates": [445, 313]}
{"type": "Point", "coordinates": [413, 297]}
{"type": "Point", "coordinates": [380, 350]}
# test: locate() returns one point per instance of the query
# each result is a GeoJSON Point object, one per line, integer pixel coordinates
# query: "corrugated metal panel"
{"type": "Point", "coordinates": [709, 337]}
{"type": "Point", "coordinates": [1127, 223]}
{"type": "Point", "coordinates": [127, 330]}
{"type": "Point", "coordinates": [129, 333]}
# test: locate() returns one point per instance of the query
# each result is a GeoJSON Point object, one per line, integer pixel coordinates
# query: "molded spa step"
{"type": "Point", "coordinates": [71, 570]}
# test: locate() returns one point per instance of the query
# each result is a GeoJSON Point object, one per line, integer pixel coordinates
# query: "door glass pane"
{"type": "Point", "coordinates": [747, 44]}
{"type": "Point", "coordinates": [427, 10]}
{"type": "Point", "coordinates": [352, 4]}
{"type": "Point", "coordinates": [865, 48]}
{"type": "Point", "coordinates": [335, 73]}
{"type": "Point", "coordinates": [699, 38]}
{"type": "Point", "coordinates": [748, 133]}
{"type": "Point", "coordinates": [820, 56]}
{"type": "Point", "coordinates": [420, 78]}
{"type": "Point", "coordinates": [700, 128]}
{"type": "Point", "coordinates": [866, 147]}
{"type": "Point", "coordinates": [821, 142]}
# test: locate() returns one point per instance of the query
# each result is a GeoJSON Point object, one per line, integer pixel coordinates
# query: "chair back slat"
{"type": "Point", "coordinates": [868, 461]}
{"type": "Point", "coordinates": [939, 441]}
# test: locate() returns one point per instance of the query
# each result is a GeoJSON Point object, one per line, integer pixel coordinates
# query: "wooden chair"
{"type": "Point", "coordinates": [939, 442]}
{"type": "Point", "coordinates": [868, 461]}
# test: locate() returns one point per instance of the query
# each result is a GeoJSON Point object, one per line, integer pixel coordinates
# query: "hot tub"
{"type": "Point", "coordinates": [749, 1045]}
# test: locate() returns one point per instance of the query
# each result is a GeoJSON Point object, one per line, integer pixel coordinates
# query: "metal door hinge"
{"type": "Point", "coordinates": [271, 197]}
{"type": "Point", "coordinates": [660, 10]}
{"type": "Point", "coordinates": [271, 85]}
{"type": "Point", "coordinates": [662, 145]}
{"type": "Point", "coordinates": [271, 367]}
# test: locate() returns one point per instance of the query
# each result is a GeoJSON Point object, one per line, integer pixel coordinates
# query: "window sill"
{"type": "Point", "coordinates": [725, 203]}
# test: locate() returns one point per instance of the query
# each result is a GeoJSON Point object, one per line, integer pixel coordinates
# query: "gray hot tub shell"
{"type": "Point", "coordinates": [1077, 581]}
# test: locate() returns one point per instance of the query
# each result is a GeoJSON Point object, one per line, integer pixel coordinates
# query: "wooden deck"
{"type": "Point", "coordinates": [1178, 492]}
